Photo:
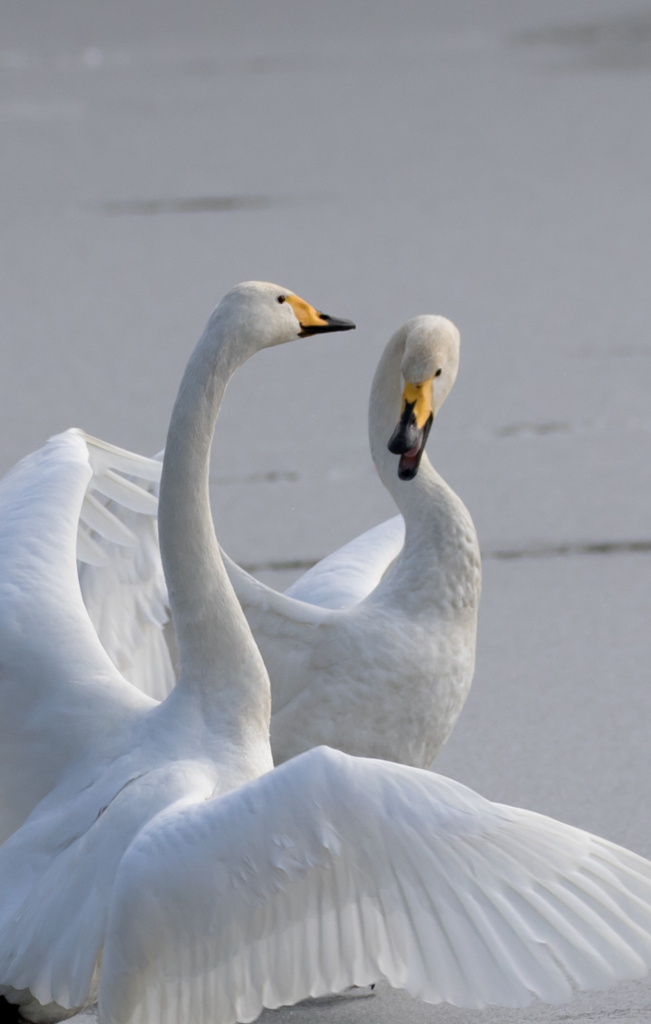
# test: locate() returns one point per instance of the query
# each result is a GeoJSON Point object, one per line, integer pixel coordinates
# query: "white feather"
{"type": "Point", "coordinates": [121, 574]}
{"type": "Point", "coordinates": [334, 871]}
{"type": "Point", "coordinates": [152, 850]}
{"type": "Point", "coordinates": [348, 575]}
{"type": "Point", "coordinates": [372, 650]}
{"type": "Point", "coordinates": [60, 695]}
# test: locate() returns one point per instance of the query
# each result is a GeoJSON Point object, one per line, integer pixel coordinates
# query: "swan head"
{"type": "Point", "coordinates": [262, 315]}
{"type": "Point", "coordinates": [429, 368]}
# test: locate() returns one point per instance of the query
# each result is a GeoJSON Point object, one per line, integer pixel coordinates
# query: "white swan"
{"type": "Point", "coordinates": [153, 855]}
{"type": "Point", "coordinates": [383, 666]}
{"type": "Point", "coordinates": [375, 662]}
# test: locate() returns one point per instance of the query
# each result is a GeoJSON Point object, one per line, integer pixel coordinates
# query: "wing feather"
{"type": "Point", "coordinates": [58, 872]}
{"type": "Point", "coordinates": [263, 602]}
{"type": "Point", "coordinates": [125, 492]}
{"type": "Point", "coordinates": [120, 572]}
{"type": "Point", "coordinates": [99, 518]}
{"type": "Point", "coordinates": [348, 575]}
{"type": "Point", "coordinates": [332, 871]}
{"type": "Point", "coordinates": [60, 695]}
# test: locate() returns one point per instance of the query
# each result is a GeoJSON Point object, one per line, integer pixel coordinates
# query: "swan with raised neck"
{"type": "Point", "coordinates": [221, 673]}
{"type": "Point", "coordinates": [373, 649]}
{"type": "Point", "coordinates": [149, 870]}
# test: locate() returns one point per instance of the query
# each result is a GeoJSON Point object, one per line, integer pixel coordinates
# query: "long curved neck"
{"type": "Point", "coordinates": [220, 665]}
{"type": "Point", "coordinates": [440, 550]}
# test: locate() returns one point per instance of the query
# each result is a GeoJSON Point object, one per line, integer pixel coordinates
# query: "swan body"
{"type": "Point", "coordinates": [151, 855]}
{"type": "Point", "coordinates": [372, 651]}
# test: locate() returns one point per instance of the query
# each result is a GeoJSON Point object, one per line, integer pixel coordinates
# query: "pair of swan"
{"type": "Point", "coordinates": [154, 858]}
{"type": "Point", "coordinates": [372, 651]}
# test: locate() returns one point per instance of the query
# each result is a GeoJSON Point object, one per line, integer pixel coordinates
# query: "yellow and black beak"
{"type": "Point", "coordinates": [410, 436]}
{"type": "Point", "coordinates": [313, 322]}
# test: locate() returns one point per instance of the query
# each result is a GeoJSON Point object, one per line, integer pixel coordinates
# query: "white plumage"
{"type": "Point", "coordinates": [334, 871]}
{"type": "Point", "coordinates": [122, 580]}
{"type": "Point", "coordinates": [372, 650]}
{"type": "Point", "coordinates": [151, 853]}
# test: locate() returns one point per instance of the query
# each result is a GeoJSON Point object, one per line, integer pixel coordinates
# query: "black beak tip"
{"type": "Point", "coordinates": [332, 323]}
{"type": "Point", "coordinates": [408, 473]}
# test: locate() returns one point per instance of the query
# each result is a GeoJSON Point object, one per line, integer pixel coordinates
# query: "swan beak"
{"type": "Point", "coordinates": [410, 436]}
{"type": "Point", "coordinates": [313, 322]}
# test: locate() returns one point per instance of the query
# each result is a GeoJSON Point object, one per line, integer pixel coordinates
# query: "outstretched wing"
{"type": "Point", "coordinates": [332, 871]}
{"type": "Point", "coordinates": [120, 568]}
{"type": "Point", "coordinates": [60, 694]}
{"type": "Point", "coordinates": [58, 872]}
{"type": "Point", "coordinates": [348, 575]}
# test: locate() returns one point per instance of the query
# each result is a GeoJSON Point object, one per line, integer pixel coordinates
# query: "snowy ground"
{"type": "Point", "coordinates": [485, 159]}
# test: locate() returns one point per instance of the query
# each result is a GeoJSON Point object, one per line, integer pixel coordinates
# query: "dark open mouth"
{"type": "Point", "coordinates": [408, 441]}
{"type": "Point", "coordinates": [332, 323]}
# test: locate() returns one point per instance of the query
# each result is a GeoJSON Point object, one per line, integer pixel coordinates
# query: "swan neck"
{"type": "Point", "coordinates": [219, 662]}
{"type": "Point", "coordinates": [441, 552]}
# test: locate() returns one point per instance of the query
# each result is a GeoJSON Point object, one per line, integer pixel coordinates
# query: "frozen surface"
{"type": "Point", "coordinates": [485, 159]}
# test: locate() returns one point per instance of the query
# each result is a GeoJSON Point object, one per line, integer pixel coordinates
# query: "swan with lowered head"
{"type": "Point", "coordinates": [372, 651]}
{"type": "Point", "coordinates": [153, 855]}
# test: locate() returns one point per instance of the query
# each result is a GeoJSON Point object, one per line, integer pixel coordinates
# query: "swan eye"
{"type": "Point", "coordinates": [281, 299]}
{"type": "Point", "coordinates": [438, 372]}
